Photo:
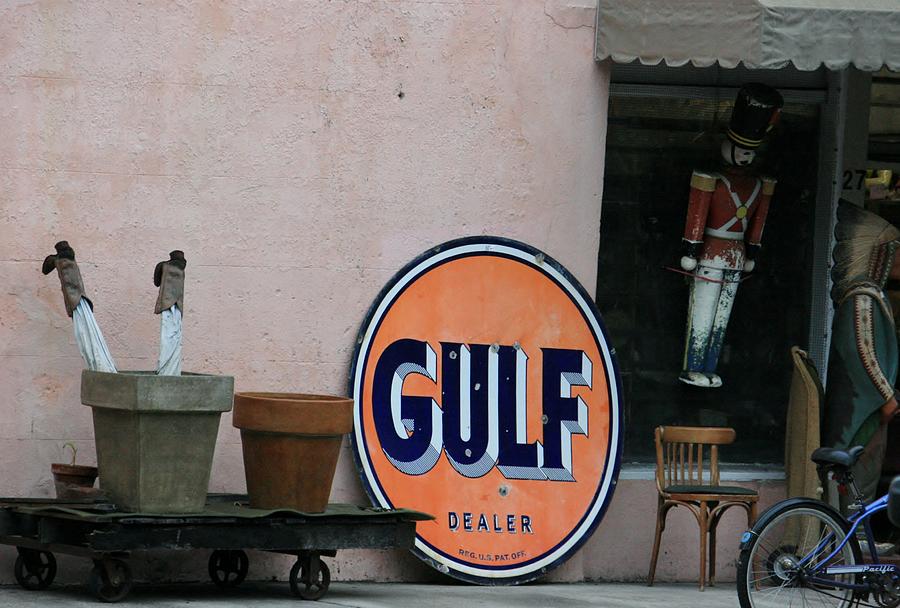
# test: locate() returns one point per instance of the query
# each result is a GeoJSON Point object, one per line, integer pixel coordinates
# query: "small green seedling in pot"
{"type": "Point", "coordinates": [74, 449]}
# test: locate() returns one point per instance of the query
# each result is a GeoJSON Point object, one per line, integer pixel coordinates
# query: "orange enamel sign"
{"type": "Point", "coordinates": [486, 393]}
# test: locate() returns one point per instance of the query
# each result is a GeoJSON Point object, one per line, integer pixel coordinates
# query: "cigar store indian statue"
{"type": "Point", "coordinates": [725, 218]}
{"type": "Point", "coordinates": [862, 368]}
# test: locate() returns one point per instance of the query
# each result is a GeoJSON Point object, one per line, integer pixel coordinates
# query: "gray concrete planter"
{"type": "Point", "coordinates": [156, 436]}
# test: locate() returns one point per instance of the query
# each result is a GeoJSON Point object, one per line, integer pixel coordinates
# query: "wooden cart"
{"type": "Point", "coordinates": [38, 528]}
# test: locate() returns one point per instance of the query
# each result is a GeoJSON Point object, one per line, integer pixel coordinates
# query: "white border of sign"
{"type": "Point", "coordinates": [535, 259]}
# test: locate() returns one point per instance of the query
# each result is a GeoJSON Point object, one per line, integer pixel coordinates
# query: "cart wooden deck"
{"type": "Point", "coordinates": [38, 528]}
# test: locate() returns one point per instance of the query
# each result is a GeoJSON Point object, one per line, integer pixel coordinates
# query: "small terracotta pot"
{"type": "Point", "coordinates": [291, 444]}
{"type": "Point", "coordinates": [73, 481]}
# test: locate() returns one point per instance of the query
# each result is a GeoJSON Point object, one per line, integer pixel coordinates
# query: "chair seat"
{"type": "Point", "coordinates": [721, 490]}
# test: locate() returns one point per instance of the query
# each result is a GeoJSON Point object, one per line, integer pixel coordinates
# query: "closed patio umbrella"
{"type": "Point", "coordinates": [169, 277]}
{"type": "Point", "coordinates": [88, 336]}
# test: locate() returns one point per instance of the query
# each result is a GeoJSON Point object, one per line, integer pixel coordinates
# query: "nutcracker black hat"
{"type": "Point", "coordinates": [756, 111]}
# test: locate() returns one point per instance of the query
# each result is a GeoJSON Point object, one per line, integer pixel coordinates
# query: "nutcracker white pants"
{"type": "Point", "coordinates": [90, 339]}
{"type": "Point", "coordinates": [169, 342]}
{"type": "Point", "coordinates": [712, 296]}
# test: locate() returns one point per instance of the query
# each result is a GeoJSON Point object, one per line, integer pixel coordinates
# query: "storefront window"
{"type": "Point", "coordinates": [884, 120]}
{"type": "Point", "coordinates": [653, 145]}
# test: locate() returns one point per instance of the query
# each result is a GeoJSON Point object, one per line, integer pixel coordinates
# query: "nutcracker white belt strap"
{"type": "Point", "coordinates": [740, 208]}
{"type": "Point", "coordinates": [724, 234]}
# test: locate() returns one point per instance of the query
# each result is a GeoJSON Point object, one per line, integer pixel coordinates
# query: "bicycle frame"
{"type": "Point", "coordinates": [857, 519]}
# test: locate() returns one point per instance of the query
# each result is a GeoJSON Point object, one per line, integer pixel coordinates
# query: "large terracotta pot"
{"type": "Point", "coordinates": [291, 446]}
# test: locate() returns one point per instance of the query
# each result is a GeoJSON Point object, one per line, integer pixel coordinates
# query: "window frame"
{"type": "Point", "coordinates": [823, 88]}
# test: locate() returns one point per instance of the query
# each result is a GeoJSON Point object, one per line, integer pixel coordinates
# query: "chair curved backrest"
{"type": "Point", "coordinates": [681, 453]}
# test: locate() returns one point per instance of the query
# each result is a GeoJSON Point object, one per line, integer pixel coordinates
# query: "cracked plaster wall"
{"type": "Point", "coordinates": [300, 153]}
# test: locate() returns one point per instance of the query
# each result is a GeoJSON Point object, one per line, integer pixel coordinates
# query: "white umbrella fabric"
{"type": "Point", "coordinates": [90, 340]}
{"type": "Point", "coordinates": [169, 342]}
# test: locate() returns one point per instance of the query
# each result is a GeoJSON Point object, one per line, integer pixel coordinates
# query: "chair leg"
{"type": "Point", "coordinates": [704, 520]}
{"type": "Point", "coordinates": [660, 526]}
{"type": "Point", "coordinates": [712, 550]}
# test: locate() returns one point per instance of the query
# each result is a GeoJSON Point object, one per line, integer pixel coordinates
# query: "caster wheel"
{"type": "Point", "coordinates": [110, 580]}
{"type": "Point", "coordinates": [35, 569]}
{"type": "Point", "coordinates": [228, 568]}
{"type": "Point", "coordinates": [303, 587]}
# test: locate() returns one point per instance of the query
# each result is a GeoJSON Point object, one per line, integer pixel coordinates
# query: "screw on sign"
{"type": "Point", "coordinates": [486, 393]}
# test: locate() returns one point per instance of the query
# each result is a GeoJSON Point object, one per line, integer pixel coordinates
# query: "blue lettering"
{"type": "Point", "coordinates": [564, 415]}
{"type": "Point", "coordinates": [526, 525]}
{"type": "Point", "coordinates": [484, 419]}
{"type": "Point", "coordinates": [408, 427]}
{"type": "Point", "coordinates": [482, 524]}
{"type": "Point", "coordinates": [511, 524]}
{"type": "Point", "coordinates": [518, 458]}
{"type": "Point", "coordinates": [469, 377]}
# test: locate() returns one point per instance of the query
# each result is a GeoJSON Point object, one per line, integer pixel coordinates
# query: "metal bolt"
{"type": "Point", "coordinates": [468, 453]}
{"type": "Point", "coordinates": [539, 259]}
{"type": "Point", "coordinates": [495, 347]}
{"type": "Point", "coordinates": [544, 419]}
{"type": "Point", "coordinates": [453, 354]}
{"type": "Point", "coordinates": [504, 490]}
{"type": "Point", "coordinates": [516, 345]}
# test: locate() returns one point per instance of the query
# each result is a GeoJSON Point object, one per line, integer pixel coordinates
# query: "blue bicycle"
{"type": "Point", "coordinates": [802, 552]}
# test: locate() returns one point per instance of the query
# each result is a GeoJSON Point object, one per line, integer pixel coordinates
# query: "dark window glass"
{"type": "Point", "coordinates": [884, 118]}
{"type": "Point", "coordinates": [653, 145]}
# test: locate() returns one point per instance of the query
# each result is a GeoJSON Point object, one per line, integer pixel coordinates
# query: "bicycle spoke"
{"type": "Point", "coordinates": [757, 580]}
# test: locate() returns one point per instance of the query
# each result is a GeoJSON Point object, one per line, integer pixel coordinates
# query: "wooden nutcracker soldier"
{"type": "Point", "coordinates": [726, 214]}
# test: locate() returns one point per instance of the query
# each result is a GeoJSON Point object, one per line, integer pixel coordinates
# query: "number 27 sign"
{"type": "Point", "coordinates": [487, 395]}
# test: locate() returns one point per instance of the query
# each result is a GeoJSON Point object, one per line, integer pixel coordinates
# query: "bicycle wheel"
{"type": "Point", "coordinates": [770, 574]}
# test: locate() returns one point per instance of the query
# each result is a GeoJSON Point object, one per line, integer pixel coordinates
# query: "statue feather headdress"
{"type": "Point", "coordinates": [864, 249]}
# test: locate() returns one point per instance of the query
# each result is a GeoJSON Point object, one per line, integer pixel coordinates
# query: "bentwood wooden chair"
{"type": "Point", "coordinates": [687, 475]}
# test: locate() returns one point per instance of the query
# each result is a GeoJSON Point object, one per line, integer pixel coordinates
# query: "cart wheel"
{"type": "Point", "coordinates": [303, 587]}
{"type": "Point", "coordinates": [228, 568]}
{"type": "Point", "coordinates": [35, 569]}
{"type": "Point", "coordinates": [110, 580]}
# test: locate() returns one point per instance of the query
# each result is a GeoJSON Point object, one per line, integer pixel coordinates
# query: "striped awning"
{"type": "Point", "coordinates": [760, 34]}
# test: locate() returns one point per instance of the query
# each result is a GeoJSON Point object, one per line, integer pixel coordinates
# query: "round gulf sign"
{"type": "Point", "coordinates": [487, 394]}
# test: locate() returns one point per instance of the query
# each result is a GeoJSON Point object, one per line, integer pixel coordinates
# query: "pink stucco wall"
{"type": "Point", "coordinates": [300, 153]}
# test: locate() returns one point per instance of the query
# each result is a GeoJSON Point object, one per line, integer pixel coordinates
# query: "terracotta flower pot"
{"type": "Point", "coordinates": [73, 481]}
{"type": "Point", "coordinates": [291, 445]}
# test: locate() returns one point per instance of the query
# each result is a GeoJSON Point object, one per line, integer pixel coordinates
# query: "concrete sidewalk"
{"type": "Point", "coordinates": [393, 595]}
